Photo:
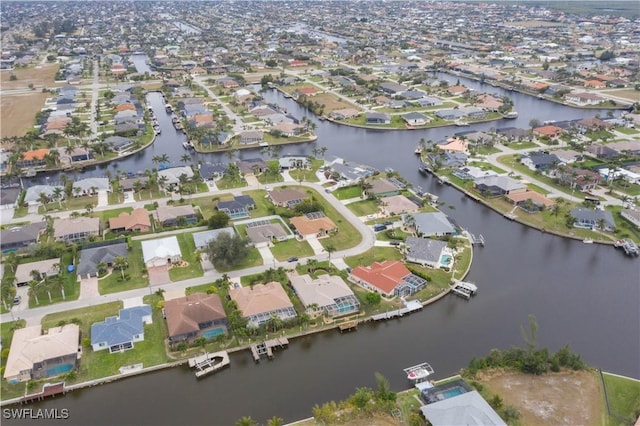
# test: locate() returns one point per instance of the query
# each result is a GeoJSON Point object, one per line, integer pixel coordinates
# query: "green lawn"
{"type": "Point", "coordinates": [74, 203]}
{"type": "Point", "coordinates": [364, 207]}
{"type": "Point", "coordinates": [264, 207]}
{"type": "Point", "coordinates": [627, 130]}
{"type": "Point", "coordinates": [487, 166]}
{"type": "Point", "coordinates": [136, 273]}
{"type": "Point", "coordinates": [269, 177]}
{"type": "Point", "coordinates": [347, 192]}
{"type": "Point", "coordinates": [290, 248]}
{"type": "Point", "coordinates": [537, 188]}
{"type": "Point", "coordinates": [68, 280]}
{"type": "Point", "coordinates": [108, 214]}
{"type": "Point", "coordinates": [624, 398]}
{"type": "Point", "coordinates": [194, 269]}
{"type": "Point", "coordinates": [231, 182]}
{"type": "Point", "coordinates": [522, 145]}
{"type": "Point", "coordinates": [374, 254]}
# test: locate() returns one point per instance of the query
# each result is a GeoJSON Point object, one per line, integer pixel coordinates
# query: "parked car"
{"type": "Point", "coordinates": [379, 227]}
{"type": "Point", "coordinates": [292, 259]}
{"type": "Point", "coordinates": [17, 300]}
{"type": "Point", "coordinates": [394, 243]}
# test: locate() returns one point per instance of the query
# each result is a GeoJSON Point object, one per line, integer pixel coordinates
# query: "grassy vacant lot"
{"type": "Point", "coordinates": [194, 268]}
{"type": "Point", "coordinates": [331, 102]}
{"type": "Point", "coordinates": [364, 207]}
{"type": "Point", "coordinates": [347, 192]}
{"type": "Point", "coordinates": [567, 397]}
{"type": "Point", "coordinates": [228, 182]}
{"type": "Point", "coordinates": [289, 248]}
{"type": "Point", "coordinates": [73, 203]}
{"type": "Point", "coordinates": [136, 272]}
{"type": "Point", "coordinates": [17, 112]}
{"type": "Point", "coordinates": [374, 254]}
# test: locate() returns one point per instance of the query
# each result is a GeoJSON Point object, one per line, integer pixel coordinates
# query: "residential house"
{"type": "Point", "coordinates": [348, 173]}
{"type": "Point", "coordinates": [203, 238]}
{"type": "Point", "coordinates": [632, 216]}
{"type": "Point", "coordinates": [415, 119]}
{"type": "Point", "coordinates": [35, 356]}
{"type": "Point", "coordinates": [251, 137]}
{"type": "Point", "coordinates": [567, 156]}
{"type": "Point", "coordinates": [176, 215]}
{"type": "Point", "coordinates": [22, 237]}
{"type": "Point", "coordinates": [287, 162]}
{"type": "Point", "coordinates": [76, 230]}
{"type": "Point", "coordinates": [580, 179]}
{"type": "Point", "coordinates": [287, 197]}
{"type": "Point", "coordinates": [119, 143]}
{"type": "Point", "coordinates": [454, 145]}
{"type": "Point", "coordinates": [397, 204]}
{"type": "Point", "coordinates": [601, 151]}
{"type": "Point", "coordinates": [313, 225]}
{"type": "Point", "coordinates": [424, 251]}
{"type": "Point", "coordinates": [539, 160]}
{"type": "Point", "coordinates": [472, 172]}
{"type": "Point", "coordinates": [433, 224]}
{"type": "Point", "coordinates": [261, 302]}
{"type": "Point", "coordinates": [90, 258]}
{"type": "Point", "coordinates": [492, 186]}
{"type": "Point", "coordinates": [161, 252]}
{"type": "Point", "coordinates": [531, 201]}
{"type": "Point", "coordinates": [193, 316]}
{"type": "Point", "coordinates": [328, 294]}
{"type": "Point", "coordinates": [136, 221]}
{"type": "Point", "coordinates": [393, 88]}
{"type": "Point", "coordinates": [372, 117]}
{"type": "Point", "coordinates": [593, 219]}
{"type": "Point", "coordinates": [44, 268]}
{"type": "Point", "coordinates": [389, 278]}
{"type": "Point", "coordinates": [252, 166]}
{"type": "Point", "coordinates": [33, 193]}
{"type": "Point", "coordinates": [468, 408]}
{"type": "Point", "coordinates": [34, 158]}
{"type": "Point", "coordinates": [449, 114]}
{"type": "Point", "coordinates": [549, 131]}
{"type": "Point", "coordinates": [238, 207]}
{"type": "Point", "coordinates": [90, 186]}
{"type": "Point", "coordinates": [212, 171]}
{"type": "Point", "coordinates": [382, 188]}
{"type": "Point", "coordinates": [120, 333]}
{"type": "Point", "coordinates": [171, 175]}
{"type": "Point", "coordinates": [264, 234]}
{"type": "Point", "coordinates": [9, 198]}
{"type": "Point", "coordinates": [584, 99]}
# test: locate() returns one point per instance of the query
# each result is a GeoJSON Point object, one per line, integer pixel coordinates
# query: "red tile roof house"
{"type": "Point", "coordinates": [548, 131]}
{"type": "Point", "coordinates": [306, 91]}
{"type": "Point", "coordinates": [193, 316]}
{"type": "Point", "coordinates": [138, 220]}
{"type": "Point", "coordinates": [580, 179]}
{"type": "Point", "coordinates": [389, 278]}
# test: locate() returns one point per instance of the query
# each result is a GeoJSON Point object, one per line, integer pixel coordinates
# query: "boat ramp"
{"type": "Point", "coordinates": [266, 348]}
{"type": "Point", "coordinates": [464, 289]}
{"type": "Point", "coordinates": [409, 307]}
{"type": "Point", "coordinates": [209, 362]}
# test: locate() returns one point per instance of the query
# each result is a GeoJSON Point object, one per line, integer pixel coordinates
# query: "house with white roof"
{"type": "Point", "coordinates": [162, 251]}
{"type": "Point", "coordinates": [327, 293]}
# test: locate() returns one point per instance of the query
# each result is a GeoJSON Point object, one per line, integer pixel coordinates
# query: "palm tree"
{"type": "Point", "coordinates": [185, 158]}
{"type": "Point", "coordinates": [163, 158]}
{"type": "Point", "coordinates": [76, 191]}
{"type": "Point", "coordinates": [137, 186]}
{"type": "Point", "coordinates": [32, 290]}
{"type": "Point", "coordinates": [246, 421]}
{"type": "Point", "coordinates": [275, 421]}
{"type": "Point", "coordinates": [121, 263]}
{"type": "Point", "coordinates": [43, 199]}
{"type": "Point", "coordinates": [330, 248]}
{"type": "Point", "coordinates": [57, 195]}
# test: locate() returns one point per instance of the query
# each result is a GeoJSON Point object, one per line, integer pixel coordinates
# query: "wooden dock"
{"type": "Point", "coordinates": [348, 326]}
{"type": "Point", "coordinates": [409, 307]}
{"type": "Point", "coordinates": [48, 390]}
{"type": "Point", "coordinates": [266, 348]}
{"type": "Point", "coordinates": [479, 240]}
{"type": "Point", "coordinates": [209, 362]}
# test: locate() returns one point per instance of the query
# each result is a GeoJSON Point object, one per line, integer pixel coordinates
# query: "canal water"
{"type": "Point", "coordinates": [587, 296]}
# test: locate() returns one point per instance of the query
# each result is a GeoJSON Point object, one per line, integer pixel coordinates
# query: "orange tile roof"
{"type": "Point", "coordinates": [125, 107]}
{"type": "Point", "coordinates": [129, 221]}
{"type": "Point", "coordinates": [306, 226]}
{"type": "Point", "coordinates": [382, 275]}
{"type": "Point", "coordinates": [548, 130]}
{"type": "Point", "coordinates": [36, 154]}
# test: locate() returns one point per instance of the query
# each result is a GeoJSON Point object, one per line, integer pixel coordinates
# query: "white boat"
{"type": "Point", "coordinates": [418, 373]}
{"type": "Point", "coordinates": [461, 124]}
{"type": "Point", "coordinates": [511, 114]}
{"type": "Point", "coordinates": [418, 150]}
{"type": "Point", "coordinates": [587, 241]}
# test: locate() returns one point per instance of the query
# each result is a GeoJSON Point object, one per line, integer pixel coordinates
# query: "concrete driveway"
{"type": "Point", "coordinates": [89, 288]}
{"type": "Point", "coordinates": [158, 275]}
{"type": "Point", "coordinates": [267, 256]}
{"type": "Point", "coordinates": [316, 246]}
{"type": "Point", "coordinates": [103, 198]}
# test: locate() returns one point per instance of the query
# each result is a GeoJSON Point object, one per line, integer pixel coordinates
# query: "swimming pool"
{"type": "Point", "coordinates": [59, 369]}
{"type": "Point", "coordinates": [445, 260]}
{"type": "Point", "coordinates": [450, 393]}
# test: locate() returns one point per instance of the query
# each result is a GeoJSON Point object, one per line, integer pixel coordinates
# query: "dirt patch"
{"type": "Point", "coordinates": [331, 102]}
{"type": "Point", "coordinates": [39, 76]}
{"type": "Point", "coordinates": [17, 112]}
{"type": "Point", "coordinates": [565, 398]}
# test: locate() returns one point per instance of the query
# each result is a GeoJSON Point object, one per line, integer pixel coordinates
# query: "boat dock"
{"type": "Point", "coordinates": [479, 240]}
{"type": "Point", "coordinates": [48, 390]}
{"type": "Point", "coordinates": [464, 289]}
{"type": "Point", "coordinates": [266, 348]}
{"type": "Point", "coordinates": [409, 307]}
{"type": "Point", "coordinates": [348, 326]}
{"type": "Point", "coordinates": [418, 373]}
{"type": "Point", "coordinates": [209, 362]}
{"type": "Point", "coordinates": [630, 248]}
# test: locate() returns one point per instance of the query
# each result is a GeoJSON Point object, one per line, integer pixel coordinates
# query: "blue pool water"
{"type": "Point", "coordinates": [59, 369]}
{"type": "Point", "coordinates": [445, 259]}
{"type": "Point", "coordinates": [212, 333]}
{"type": "Point", "coordinates": [450, 393]}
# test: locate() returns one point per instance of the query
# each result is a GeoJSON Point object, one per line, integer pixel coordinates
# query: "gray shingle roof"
{"type": "Point", "coordinates": [89, 258]}
{"type": "Point", "coordinates": [120, 329]}
{"type": "Point", "coordinates": [424, 249]}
